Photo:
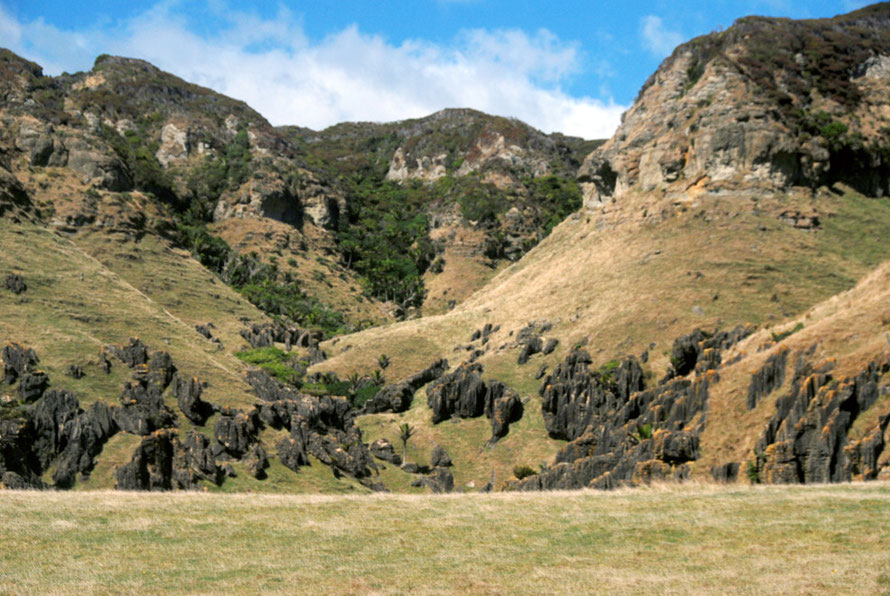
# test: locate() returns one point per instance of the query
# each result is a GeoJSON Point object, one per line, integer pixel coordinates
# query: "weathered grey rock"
{"type": "Point", "coordinates": [17, 360]}
{"type": "Point", "coordinates": [151, 467]}
{"type": "Point", "coordinates": [234, 433]}
{"type": "Point", "coordinates": [257, 461]}
{"type": "Point", "coordinates": [572, 394]}
{"type": "Point", "coordinates": [32, 385]}
{"type": "Point", "coordinates": [463, 394]}
{"type": "Point", "coordinates": [440, 480]}
{"type": "Point", "coordinates": [75, 371]}
{"type": "Point", "coordinates": [439, 458]}
{"type": "Point", "coordinates": [726, 473]}
{"type": "Point", "coordinates": [460, 394]}
{"type": "Point", "coordinates": [132, 354]}
{"type": "Point", "coordinates": [81, 440]}
{"type": "Point", "coordinates": [805, 440]}
{"type": "Point", "coordinates": [503, 406]}
{"type": "Point", "coordinates": [549, 346]}
{"type": "Point", "coordinates": [862, 456]}
{"type": "Point", "coordinates": [397, 397]}
{"type": "Point", "coordinates": [768, 378]}
{"type": "Point", "coordinates": [383, 449]}
{"type": "Point", "coordinates": [15, 284]}
{"type": "Point", "coordinates": [187, 391]}
{"type": "Point", "coordinates": [142, 408]}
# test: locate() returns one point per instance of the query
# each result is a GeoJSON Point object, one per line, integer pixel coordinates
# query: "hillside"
{"type": "Point", "coordinates": [646, 263]}
{"type": "Point", "coordinates": [714, 309]}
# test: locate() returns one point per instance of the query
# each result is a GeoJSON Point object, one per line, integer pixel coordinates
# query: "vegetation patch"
{"type": "Point", "coordinates": [274, 361]}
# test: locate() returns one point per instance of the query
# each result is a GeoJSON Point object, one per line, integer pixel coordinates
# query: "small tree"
{"type": "Point", "coordinates": [406, 431]}
{"type": "Point", "coordinates": [377, 378]}
{"type": "Point", "coordinates": [383, 361]}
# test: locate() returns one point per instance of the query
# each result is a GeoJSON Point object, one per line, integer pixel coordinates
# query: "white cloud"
{"type": "Point", "coordinates": [657, 39]}
{"type": "Point", "coordinates": [350, 75]}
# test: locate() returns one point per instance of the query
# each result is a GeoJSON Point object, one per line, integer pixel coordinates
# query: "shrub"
{"type": "Point", "coordinates": [777, 337]}
{"type": "Point", "coordinates": [523, 472]}
{"type": "Point", "coordinates": [274, 361]}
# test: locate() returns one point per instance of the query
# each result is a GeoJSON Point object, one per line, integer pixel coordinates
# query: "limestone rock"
{"type": "Point", "coordinates": [397, 397]}
{"type": "Point", "coordinates": [15, 284]}
{"type": "Point", "coordinates": [17, 360]}
{"type": "Point", "coordinates": [439, 458]}
{"type": "Point", "coordinates": [383, 449]}
{"type": "Point", "coordinates": [187, 391]}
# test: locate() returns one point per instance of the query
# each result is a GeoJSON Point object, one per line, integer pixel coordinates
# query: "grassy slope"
{"type": "Point", "coordinates": [691, 539]}
{"type": "Point", "coordinates": [629, 275]}
{"type": "Point", "coordinates": [97, 288]}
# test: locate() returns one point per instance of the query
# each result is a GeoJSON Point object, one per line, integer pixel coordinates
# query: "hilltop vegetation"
{"type": "Point", "coordinates": [196, 299]}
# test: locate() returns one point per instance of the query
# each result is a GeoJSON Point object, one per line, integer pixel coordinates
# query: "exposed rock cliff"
{"type": "Point", "coordinates": [766, 104]}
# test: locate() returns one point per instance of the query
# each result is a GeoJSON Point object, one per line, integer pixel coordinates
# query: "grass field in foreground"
{"type": "Point", "coordinates": [665, 539]}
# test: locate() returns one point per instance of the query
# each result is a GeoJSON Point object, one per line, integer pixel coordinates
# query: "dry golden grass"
{"type": "Point", "coordinates": [676, 539]}
{"type": "Point", "coordinates": [630, 274]}
{"type": "Point", "coordinates": [850, 327]}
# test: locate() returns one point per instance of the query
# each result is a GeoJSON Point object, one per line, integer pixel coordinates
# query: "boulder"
{"type": "Point", "coordinates": [257, 461]}
{"type": "Point", "coordinates": [398, 397]}
{"type": "Point", "coordinates": [17, 360]}
{"type": "Point", "coordinates": [292, 450]}
{"type": "Point", "coordinates": [15, 284]}
{"type": "Point", "coordinates": [439, 458]}
{"type": "Point", "coordinates": [806, 439]}
{"type": "Point", "coordinates": [187, 391]}
{"type": "Point", "coordinates": [132, 354]}
{"type": "Point", "coordinates": [383, 449]}
{"type": "Point", "coordinates": [234, 433]}
{"type": "Point", "coordinates": [32, 385]}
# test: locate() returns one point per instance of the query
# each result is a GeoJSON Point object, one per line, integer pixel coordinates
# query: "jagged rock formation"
{"type": "Point", "coordinates": [767, 104]}
{"type": "Point", "coordinates": [463, 394]}
{"type": "Point", "coordinates": [620, 434]}
{"type": "Point", "coordinates": [768, 378]}
{"type": "Point", "coordinates": [162, 462]}
{"type": "Point", "coordinates": [320, 426]}
{"type": "Point", "coordinates": [54, 431]}
{"type": "Point", "coordinates": [397, 397]}
{"type": "Point", "coordinates": [806, 439]}
{"type": "Point", "coordinates": [700, 350]}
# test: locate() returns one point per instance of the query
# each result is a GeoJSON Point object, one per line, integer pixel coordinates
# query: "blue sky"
{"type": "Point", "coordinates": [570, 66]}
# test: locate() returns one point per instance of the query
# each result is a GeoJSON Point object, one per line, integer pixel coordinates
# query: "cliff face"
{"type": "Point", "coordinates": [767, 104]}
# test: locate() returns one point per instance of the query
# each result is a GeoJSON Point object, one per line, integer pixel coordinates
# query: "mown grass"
{"type": "Point", "coordinates": [687, 539]}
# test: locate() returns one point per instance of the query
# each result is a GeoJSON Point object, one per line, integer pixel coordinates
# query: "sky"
{"type": "Point", "coordinates": [571, 66]}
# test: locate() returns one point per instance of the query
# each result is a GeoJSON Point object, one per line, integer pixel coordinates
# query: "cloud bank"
{"type": "Point", "coordinates": [348, 76]}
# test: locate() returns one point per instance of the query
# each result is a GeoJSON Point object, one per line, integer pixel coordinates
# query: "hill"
{"type": "Point", "coordinates": [714, 308]}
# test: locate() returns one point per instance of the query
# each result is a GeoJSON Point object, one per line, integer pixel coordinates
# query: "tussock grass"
{"type": "Point", "coordinates": [687, 539]}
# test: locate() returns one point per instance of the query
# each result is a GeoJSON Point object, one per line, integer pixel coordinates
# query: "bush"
{"type": "Point", "coordinates": [274, 361]}
{"type": "Point", "coordinates": [523, 472]}
{"type": "Point", "coordinates": [777, 337]}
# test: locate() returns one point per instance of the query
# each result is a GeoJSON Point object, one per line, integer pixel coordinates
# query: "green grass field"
{"type": "Point", "coordinates": [678, 539]}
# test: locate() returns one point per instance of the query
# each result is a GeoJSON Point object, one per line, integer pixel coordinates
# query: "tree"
{"type": "Point", "coordinates": [406, 431]}
{"type": "Point", "coordinates": [383, 361]}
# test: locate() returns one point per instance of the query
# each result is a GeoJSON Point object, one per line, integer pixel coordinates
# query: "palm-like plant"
{"type": "Point", "coordinates": [406, 431]}
{"type": "Point", "coordinates": [383, 361]}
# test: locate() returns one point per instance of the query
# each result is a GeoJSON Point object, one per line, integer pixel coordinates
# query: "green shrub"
{"type": "Point", "coordinates": [777, 337]}
{"type": "Point", "coordinates": [272, 360]}
{"type": "Point", "coordinates": [523, 472]}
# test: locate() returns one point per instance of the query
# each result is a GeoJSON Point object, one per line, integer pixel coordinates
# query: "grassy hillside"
{"type": "Point", "coordinates": [628, 280]}
{"type": "Point", "coordinates": [690, 539]}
